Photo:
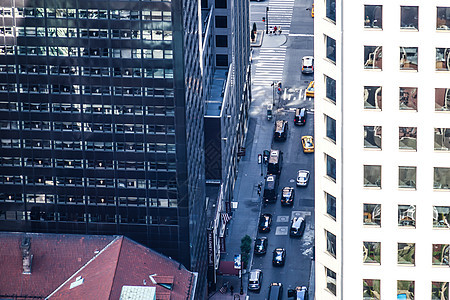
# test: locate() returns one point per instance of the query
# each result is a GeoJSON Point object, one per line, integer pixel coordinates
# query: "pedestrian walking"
{"type": "Point", "coordinates": [275, 30]}
{"type": "Point", "coordinates": [279, 30]}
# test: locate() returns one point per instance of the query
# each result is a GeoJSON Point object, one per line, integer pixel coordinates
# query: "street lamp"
{"type": "Point", "coordinates": [238, 265]}
{"type": "Point", "coordinates": [241, 291]}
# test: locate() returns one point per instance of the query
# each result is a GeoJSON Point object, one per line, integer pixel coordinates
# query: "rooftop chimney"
{"type": "Point", "coordinates": [25, 246]}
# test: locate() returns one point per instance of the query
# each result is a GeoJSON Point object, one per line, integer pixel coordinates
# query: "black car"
{"type": "Point", "coordinates": [300, 293]}
{"type": "Point", "coordinates": [279, 257]}
{"type": "Point", "coordinates": [300, 116]}
{"type": "Point", "coordinates": [261, 245]}
{"type": "Point", "coordinates": [298, 225]}
{"type": "Point", "coordinates": [265, 220]}
{"type": "Point", "coordinates": [287, 196]}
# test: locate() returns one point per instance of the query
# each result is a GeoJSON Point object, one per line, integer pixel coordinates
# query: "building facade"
{"type": "Point", "coordinates": [101, 109]}
{"type": "Point", "coordinates": [382, 149]}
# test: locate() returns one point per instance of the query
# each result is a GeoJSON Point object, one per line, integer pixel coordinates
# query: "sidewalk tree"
{"type": "Point", "coordinates": [246, 243]}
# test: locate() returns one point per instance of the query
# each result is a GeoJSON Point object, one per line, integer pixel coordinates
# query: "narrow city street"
{"type": "Point", "coordinates": [278, 59]}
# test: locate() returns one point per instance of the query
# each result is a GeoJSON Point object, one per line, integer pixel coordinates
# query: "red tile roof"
{"type": "Point", "coordinates": [60, 259]}
{"type": "Point", "coordinates": [55, 258]}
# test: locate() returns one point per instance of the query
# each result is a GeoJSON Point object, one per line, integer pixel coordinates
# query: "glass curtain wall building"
{"type": "Point", "coordinates": [101, 112]}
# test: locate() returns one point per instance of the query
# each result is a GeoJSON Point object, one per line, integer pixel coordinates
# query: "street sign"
{"type": "Point", "coordinates": [237, 261]}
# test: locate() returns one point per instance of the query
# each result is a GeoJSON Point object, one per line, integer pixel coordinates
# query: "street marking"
{"type": "Point", "coordinates": [301, 34]}
{"type": "Point", "coordinates": [290, 96]}
{"type": "Point", "coordinates": [281, 230]}
{"type": "Point", "coordinates": [300, 213]}
{"type": "Point", "coordinates": [282, 219]}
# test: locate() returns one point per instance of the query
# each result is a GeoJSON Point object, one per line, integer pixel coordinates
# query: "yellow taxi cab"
{"type": "Point", "coordinates": [308, 144]}
{"type": "Point", "coordinates": [312, 11]}
{"type": "Point", "coordinates": [310, 90]}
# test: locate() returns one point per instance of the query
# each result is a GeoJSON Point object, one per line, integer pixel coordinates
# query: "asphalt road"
{"type": "Point", "coordinates": [299, 43]}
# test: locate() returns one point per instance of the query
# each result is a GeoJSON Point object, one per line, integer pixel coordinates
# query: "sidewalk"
{"type": "Point", "coordinates": [268, 40]}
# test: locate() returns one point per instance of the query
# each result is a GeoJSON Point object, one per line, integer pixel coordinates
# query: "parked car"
{"type": "Point", "coordinates": [308, 64]}
{"type": "Point", "coordinates": [287, 196]}
{"type": "Point", "coordinates": [275, 291]}
{"type": "Point", "coordinates": [265, 220]}
{"type": "Point", "coordinates": [260, 245]}
{"type": "Point", "coordinates": [279, 257]}
{"type": "Point", "coordinates": [298, 225]}
{"type": "Point", "coordinates": [300, 293]}
{"type": "Point", "coordinates": [302, 177]}
{"type": "Point", "coordinates": [308, 144]}
{"type": "Point", "coordinates": [310, 90]}
{"type": "Point", "coordinates": [300, 116]}
{"type": "Point", "coordinates": [255, 280]}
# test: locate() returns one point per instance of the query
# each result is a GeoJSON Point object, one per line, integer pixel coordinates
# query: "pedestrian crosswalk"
{"type": "Point", "coordinates": [280, 14]}
{"type": "Point", "coordinates": [269, 66]}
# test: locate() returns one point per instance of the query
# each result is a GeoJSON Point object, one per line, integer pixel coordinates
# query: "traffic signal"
{"type": "Point", "coordinates": [263, 19]}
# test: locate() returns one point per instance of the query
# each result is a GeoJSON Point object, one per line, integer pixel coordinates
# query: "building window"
{"type": "Point", "coordinates": [372, 252]}
{"type": "Point", "coordinates": [331, 205]}
{"type": "Point", "coordinates": [331, 167]}
{"type": "Point", "coordinates": [408, 98]}
{"type": "Point", "coordinates": [373, 16]}
{"type": "Point", "coordinates": [330, 12]}
{"type": "Point", "coordinates": [407, 215]}
{"type": "Point", "coordinates": [372, 214]}
{"type": "Point", "coordinates": [221, 21]}
{"type": "Point", "coordinates": [442, 59]}
{"type": "Point", "coordinates": [330, 88]}
{"type": "Point", "coordinates": [442, 99]}
{"type": "Point", "coordinates": [440, 255]}
{"type": "Point", "coordinates": [409, 17]}
{"type": "Point", "coordinates": [407, 177]}
{"type": "Point", "coordinates": [372, 97]}
{"type": "Point", "coordinates": [221, 3]}
{"type": "Point", "coordinates": [221, 40]}
{"type": "Point", "coordinates": [409, 58]}
{"type": "Point", "coordinates": [406, 254]}
{"type": "Point", "coordinates": [372, 176]}
{"type": "Point", "coordinates": [442, 139]}
{"type": "Point", "coordinates": [373, 57]}
{"type": "Point", "coordinates": [407, 138]}
{"type": "Point", "coordinates": [331, 128]}
{"type": "Point", "coordinates": [371, 289]}
{"type": "Point", "coordinates": [405, 289]}
{"type": "Point", "coordinates": [221, 60]}
{"type": "Point", "coordinates": [441, 217]}
{"type": "Point", "coordinates": [439, 290]}
{"type": "Point", "coordinates": [331, 49]}
{"type": "Point", "coordinates": [372, 137]}
{"type": "Point", "coordinates": [443, 18]}
{"type": "Point", "coordinates": [331, 243]}
{"type": "Point", "coordinates": [441, 178]}
{"type": "Point", "coordinates": [331, 280]}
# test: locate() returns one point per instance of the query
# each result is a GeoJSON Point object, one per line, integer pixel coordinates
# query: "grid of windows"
{"type": "Point", "coordinates": [407, 175]}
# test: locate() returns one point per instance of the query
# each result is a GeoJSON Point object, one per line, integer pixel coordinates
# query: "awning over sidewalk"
{"type": "Point", "coordinates": [227, 268]}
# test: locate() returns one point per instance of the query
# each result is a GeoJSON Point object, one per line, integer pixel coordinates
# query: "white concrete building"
{"type": "Point", "coordinates": [382, 133]}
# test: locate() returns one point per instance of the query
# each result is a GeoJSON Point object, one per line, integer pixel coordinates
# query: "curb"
{"type": "Point", "coordinates": [259, 33]}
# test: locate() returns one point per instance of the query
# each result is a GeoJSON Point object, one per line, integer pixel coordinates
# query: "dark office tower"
{"type": "Point", "coordinates": [101, 112]}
